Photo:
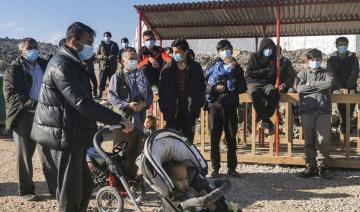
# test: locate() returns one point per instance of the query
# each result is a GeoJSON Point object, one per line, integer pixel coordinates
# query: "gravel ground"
{"type": "Point", "coordinates": [260, 188]}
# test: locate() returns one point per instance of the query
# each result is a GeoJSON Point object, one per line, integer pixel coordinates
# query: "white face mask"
{"type": "Point", "coordinates": [132, 64]}
{"type": "Point", "coordinates": [314, 64]}
{"type": "Point", "coordinates": [124, 45]}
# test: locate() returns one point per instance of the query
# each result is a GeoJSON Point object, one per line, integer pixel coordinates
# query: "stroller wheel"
{"type": "Point", "coordinates": [109, 199]}
{"type": "Point", "coordinates": [138, 189]}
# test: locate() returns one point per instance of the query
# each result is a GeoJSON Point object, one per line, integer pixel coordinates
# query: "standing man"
{"type": "Point", "coordinates": [22, 83]}
{"type": "Point", "coordinates": [181, 90]}
{"type": "Point", "coordinates": [345, 65]}
{"type": "Point", "coordinates": [225, 82]}
{"type": "Point", "coordinates": [107, 54]}
{"type": "Point", "coordinates": [66, 115]}
{"type": "Point", "coordinates": [314, 85]}
{"type": "Point", "coordinates": [260, 79]}
{"type": "Point", "coordinates": [152, 58]}
{"type": "Point", "coordinates": [129, 90]}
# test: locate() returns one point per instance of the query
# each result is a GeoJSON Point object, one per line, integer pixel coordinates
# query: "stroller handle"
{"type": "Point", "coordinates": [98, 138]}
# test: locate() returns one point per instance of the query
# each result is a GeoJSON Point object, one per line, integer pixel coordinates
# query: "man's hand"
{"type": "Point", "coordinates": [154, 63]}
{"type": "Point", "coordinates": [133, 105]}
{"type": "Point", "coordinates": [345, 91]}
{"type": "Point", "coordinates": [220, 88]}
{"type": "Point", "coordinates": [105, 57]}
{"type": "Point", "coordinates": [128, 126]}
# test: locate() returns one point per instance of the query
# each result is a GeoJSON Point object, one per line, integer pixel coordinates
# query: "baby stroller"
{"type": "Point", "coordinates": [166, 145]}
{"type": "Point", "coordinates": [110, 176]}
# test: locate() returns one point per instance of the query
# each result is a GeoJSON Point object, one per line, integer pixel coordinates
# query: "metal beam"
{"type": "Point", "coordinates": [300, 21]}
{"type": "Point", "coordinates": [232, 5]}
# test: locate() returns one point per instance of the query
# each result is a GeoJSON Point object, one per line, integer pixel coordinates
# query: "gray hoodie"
{"type": "Point", "coordinates": [314, 87]}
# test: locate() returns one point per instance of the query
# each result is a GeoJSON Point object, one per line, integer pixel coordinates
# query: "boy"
{"type": "Point", "coordinates": [314, 86]}
{"type": "Point", "coordinates": [186, 195]}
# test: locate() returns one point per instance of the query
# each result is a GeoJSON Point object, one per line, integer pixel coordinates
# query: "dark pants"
{"type": "Point", "coordinates": [265, 99]}
{"type": "Point", "coordinates": [104, 75]}
{"type": "Point", "coordinates": [183, 123]}
{"type": "Point", "coordinates": [25, 148]}
{"type": "Point", "coordinates": [74, 181]}
{"type": "Point", "coordinates": [223, 119]}
{"type": "Point", "coordinates": [152, 75]}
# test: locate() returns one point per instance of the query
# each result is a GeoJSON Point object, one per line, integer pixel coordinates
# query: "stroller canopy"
{"type": "Point", "coordinates": [163, 146]}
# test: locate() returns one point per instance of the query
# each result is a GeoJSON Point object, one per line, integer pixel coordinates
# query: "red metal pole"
{"type": "Point", "coordinates": [277, 132]}
{"type": "Point", "coordinates": [256, 44]}
{"type": "Point", "coordinates": [161, 42]}
{"type": "Point", "coordinates": [139, 30]}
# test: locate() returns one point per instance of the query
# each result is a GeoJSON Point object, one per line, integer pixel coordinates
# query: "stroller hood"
{"type": "Point", "coordinates": [163, 146]}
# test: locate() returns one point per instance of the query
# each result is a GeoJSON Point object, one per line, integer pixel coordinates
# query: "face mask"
{"type": "Point", "coordinates": [178, 57]}
{"type": "Point", "coordinates": [132, 64]}
{"type": "Point", "coordinates": [32, 55]}
{"type": "Point", "coordinates": [342, 49]}
{"type": "Point", "coordinates": [267, 52]}
{"type": "Point", "coordinates": [227, 68]}
{"type": "Point", "coordinates": [150, 43]}
{"type": "Point", "coordinates": [314, 64]}
{"type": "Point", "coordinates": [107, 39]}
{"type": "Point", "coordinates": [224, 54]}
{"type": "Point", "coordinates": [87, 52]}
{"type": "Point", "coordinates": [124, 45]}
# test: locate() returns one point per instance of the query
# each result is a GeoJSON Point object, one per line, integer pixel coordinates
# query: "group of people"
{"type": "Point", "coordinates": [50, 105]}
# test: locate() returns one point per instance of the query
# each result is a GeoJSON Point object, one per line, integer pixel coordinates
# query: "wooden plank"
{"type": "Point", "coordinates": [294, 97]}
{"type": "Point", "coordinates": [358, 131]}
{"type": "Point", "coordinates": [245, 116]}
{"type": "Point", "coordinates": [347, 131]}
{"type": "Point", "coordinates": [289, 127]}
{"type": "Point", "coordinates": [202, 131]}
{"type": "Point", "coordinates": [253, 127]}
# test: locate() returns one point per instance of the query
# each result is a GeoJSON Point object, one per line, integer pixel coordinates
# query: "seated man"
{"type": "Point", "coordinates": [345, 65]}
{"type": "Point", "coordinates": [260, 79]}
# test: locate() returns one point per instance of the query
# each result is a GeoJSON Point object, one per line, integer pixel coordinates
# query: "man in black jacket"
{"type": "Point", "coordinates": [345, 65]}
{"type": "Point", "coordinates": [107, 54]}
{"type": "Point", "coordinates": [22, 82]}
{"type": "Point", "coordinates": [225, 83]}
{"type": "Point", "coordinates": [181, 90]}
{"type": "Point", "coordinates": [66, 115]}
{"type": "Point", "coordinates": [260, 79]}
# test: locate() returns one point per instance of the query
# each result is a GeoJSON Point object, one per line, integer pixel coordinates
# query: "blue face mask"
{"type": "Point", "coordinates": [178, 57]}
{"type": "Point", "coordinates": [87, 52]}
{"type": "Point", "coordinates": [132, 64]}
{"type": "Point", "coordinates": [150, 44]}
{"type": "Point", "coordinates": [226, 53]}
{"type": "Point", "coordinates": [227, 68]}
{"type": "Point", "coordinates": [124, 45]}
{"type": "Point", "coordinates": [314, 64]}
{"type": "Point", "coordinates": [342, 49]}
{"type": "Point", "coordinates": [32, 55]}
{"type": "Point", "coordinates": [267, 52]}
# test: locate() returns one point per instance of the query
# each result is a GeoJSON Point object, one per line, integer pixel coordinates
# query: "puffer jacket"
{"type": "Point", "coordinates": [66, 114]}
{"type": "Point", "coordinates": [314, 90]}
{"type": "Point", "coordinates": [17, 85]}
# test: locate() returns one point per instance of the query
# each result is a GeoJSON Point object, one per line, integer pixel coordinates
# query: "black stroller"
{"type": "Point", "coordinates": [110, 176]}
{"type": "Point", "coordinates": [166, 145]}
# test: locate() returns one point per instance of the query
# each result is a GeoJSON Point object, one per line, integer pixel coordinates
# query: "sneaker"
{"type": "Point", "coordinates": [324, 173]}
{"type": "Point", "coordinates": [31, 197]}
{"type": "Point", "coordinates": [233, 173]}
{"type": "Point", "coordinates": [215, 173]}
{"type": "Point", "coordinates": [308, 172]}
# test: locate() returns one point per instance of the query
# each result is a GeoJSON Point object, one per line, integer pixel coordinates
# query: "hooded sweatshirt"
{"type": "Point", "coordinates": [261, 69]}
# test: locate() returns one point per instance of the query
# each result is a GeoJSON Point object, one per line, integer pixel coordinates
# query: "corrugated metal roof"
{"type": "Point", "coordinates": [247, 18]}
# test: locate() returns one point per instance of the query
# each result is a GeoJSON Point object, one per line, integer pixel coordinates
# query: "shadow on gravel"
{"type": "Point", "coordinates": [11, 189]}
{"type": "Point", "coordinates": [253, 187]}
